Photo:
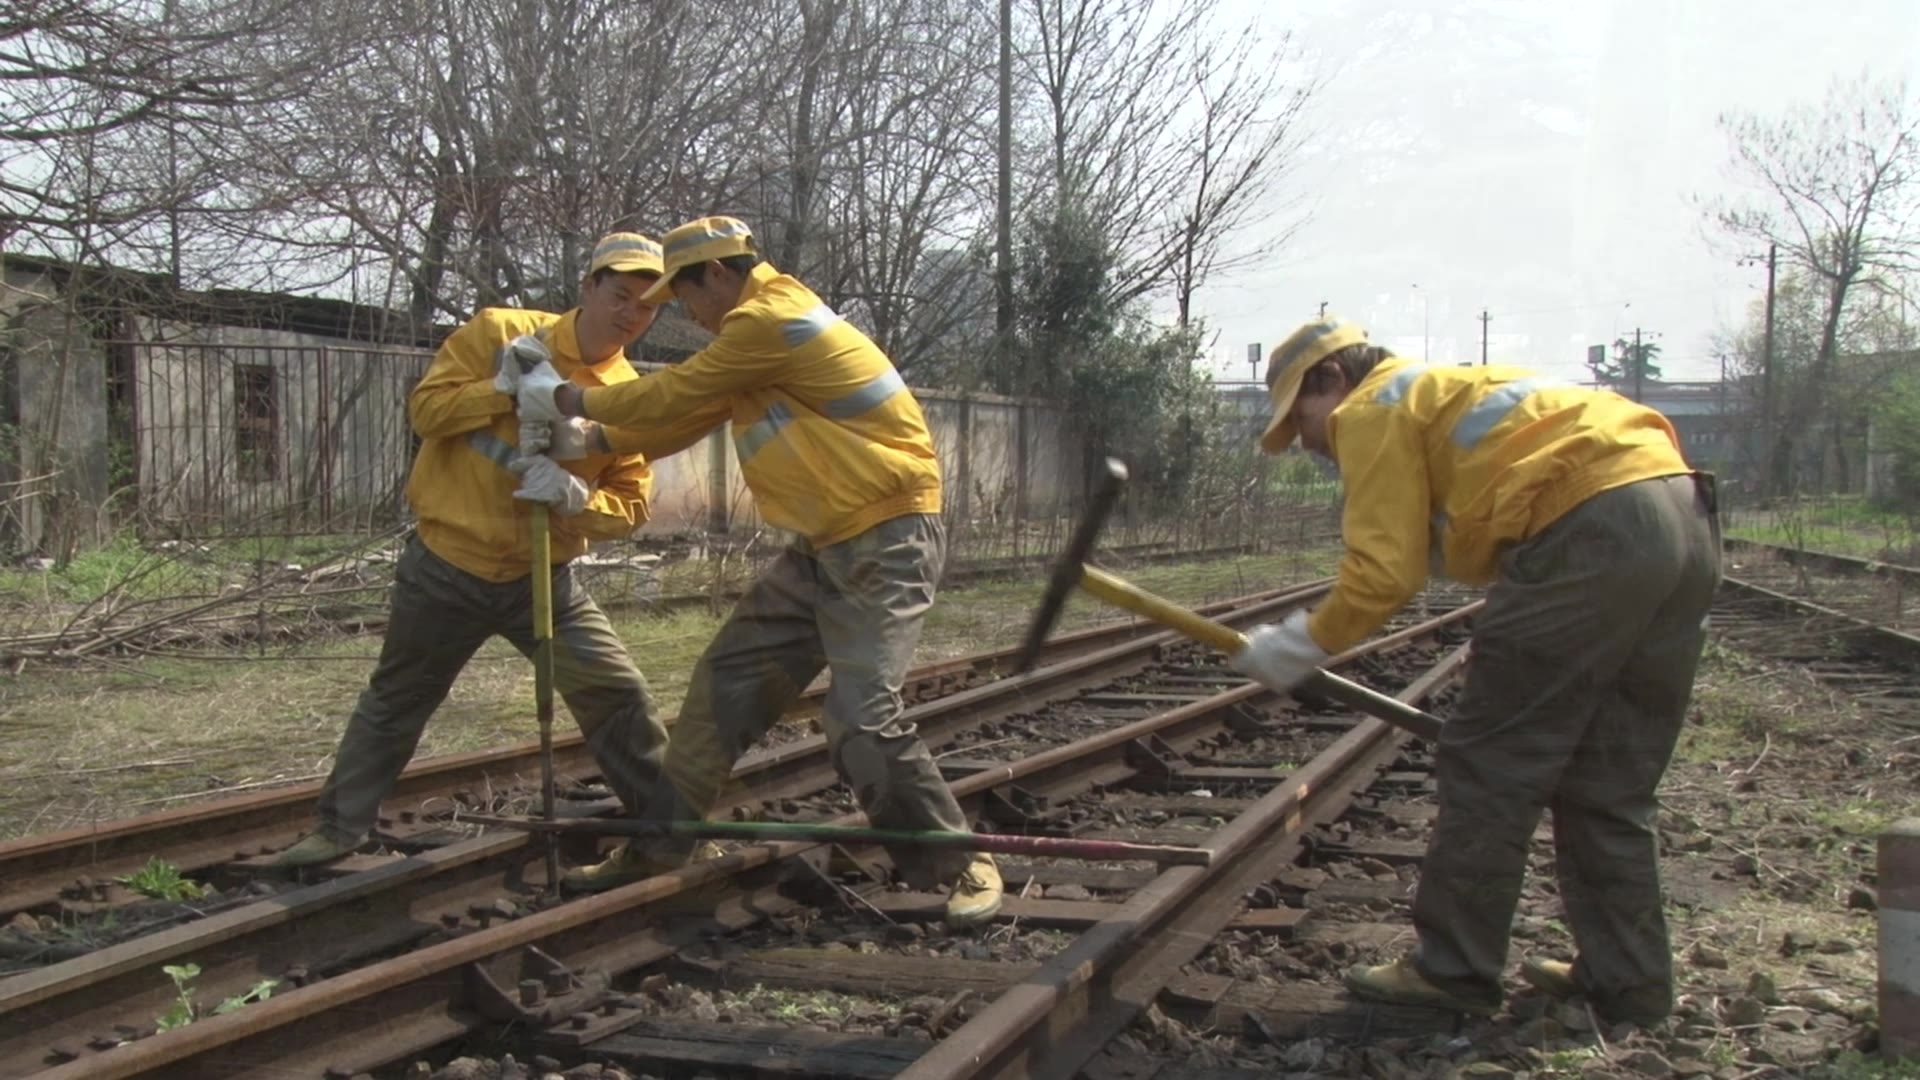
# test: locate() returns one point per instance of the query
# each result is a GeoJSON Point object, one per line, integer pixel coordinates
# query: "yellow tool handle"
{"type": "Point", "coordinates": [543, 674]}
{"type": "Point", "coordinates": [1197, 627]}
{"type": "Point", "coordinates": [1120, 593]}
{"type": "Point", "coordinates": [542, 575]}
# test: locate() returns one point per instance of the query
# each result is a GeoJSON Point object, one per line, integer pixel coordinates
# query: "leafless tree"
{"type": "Point", "coordinates": [1837, 186]}
{"type": "Point", "coordinates": [1240, 146]}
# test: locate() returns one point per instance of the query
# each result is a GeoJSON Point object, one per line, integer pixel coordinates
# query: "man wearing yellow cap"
{"type": "Point", "coordinates": [1601, 552]}
{"type": "Point", "coordinates": [834, 448]}
{"type": "Point", "coordinates": [464, 573]}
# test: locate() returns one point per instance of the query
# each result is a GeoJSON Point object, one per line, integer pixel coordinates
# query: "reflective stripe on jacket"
{"type": "Point", "coordinates": [830, 440]}
{"type": "Point", "coordinates": [460, 487]}
{"type": "Point", "coordinates": [1445, 466]}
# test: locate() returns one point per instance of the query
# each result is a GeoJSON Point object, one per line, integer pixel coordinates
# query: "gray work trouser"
{"type": "Point", "coordinates": [1583, 662]}
{"type": "Point", "coordinates": [855, 608]}
{"type": "Point", "coordinates": [440, 617]}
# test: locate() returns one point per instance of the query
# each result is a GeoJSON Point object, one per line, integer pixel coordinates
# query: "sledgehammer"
{"type": "Point", "coordinates": [1072, 569]}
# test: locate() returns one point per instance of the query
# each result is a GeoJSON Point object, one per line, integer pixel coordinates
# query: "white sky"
{"type": "Point", "coordinates": [1536, 159]}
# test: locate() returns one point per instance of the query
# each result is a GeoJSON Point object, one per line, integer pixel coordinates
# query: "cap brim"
{"type": "Point", "coordinates": [660, 291]}
{"type": "Point", "coordinates": [1280, 431]}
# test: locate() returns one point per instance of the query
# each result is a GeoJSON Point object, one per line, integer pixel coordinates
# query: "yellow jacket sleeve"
{"type": "Point", "coordinates": [748, 353]}
{"type": "Point", "coordinates": [1384, 470]}
{"type": "Point", "coordinates": [456, 395]}
{"type": "Point", "coordinates": [667, 439]}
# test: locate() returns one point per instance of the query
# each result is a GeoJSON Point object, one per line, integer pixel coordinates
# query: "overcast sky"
{"type": "Point", "coordinates": [1535, 159]}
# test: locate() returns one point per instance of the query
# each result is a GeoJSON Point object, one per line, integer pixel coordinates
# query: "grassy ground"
{"type": "Point", "coordinates": [93, 743]}
{"type": "Point", "coordinates": [1844, 525]}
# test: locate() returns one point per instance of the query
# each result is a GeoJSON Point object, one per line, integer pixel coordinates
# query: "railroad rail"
{"type": "Point", "coordinates": [1869, 589]}
{"type": "Point", "coordinates": [391, 960]}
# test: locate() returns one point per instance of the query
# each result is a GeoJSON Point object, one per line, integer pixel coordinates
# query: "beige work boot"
{"type": "Point", "coordinates": [315, 849]}
{"type": "Point", "coordinates": [976, 895]}
{"type": "Point", "coordinates": [1552, 977]}
{"type": "Point", "coordinates": [624, 866]}
{"type": "Point", "coordinates": [1400, 983]}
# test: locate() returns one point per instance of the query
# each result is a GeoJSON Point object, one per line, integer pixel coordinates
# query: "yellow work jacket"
{"type": "Point", "coordinates": [460, 487]}
{"type": "Point", "coordinates": [830, 440]}
{"type": "Point", "coordinates": [1445, 466]}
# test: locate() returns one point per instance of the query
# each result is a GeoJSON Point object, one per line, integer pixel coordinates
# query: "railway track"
{"type": "Point", "coordinates": [1877, 592]}
{"type": "Point", "coordinates": [397, 956]}
{"type": "Point", "coordinates": [83, 864]}
{"type": "Point", "coordinates": [800, 959]}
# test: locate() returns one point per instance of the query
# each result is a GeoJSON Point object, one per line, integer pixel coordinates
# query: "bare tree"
{"type": "Point", "coordinates": [1239, 148]}
{"type": "Point", "coordinates": [1836, 191]}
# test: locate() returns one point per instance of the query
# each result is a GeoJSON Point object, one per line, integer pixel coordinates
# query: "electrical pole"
{"type": "Point", "coordinates": [1484, 320]}
{"type": "Point", "coordinates": [1766, 383]}
{"type": "Point", "coordinates": [1003, 211]}
{"type": "Point", "coordinates": [1323, 309]}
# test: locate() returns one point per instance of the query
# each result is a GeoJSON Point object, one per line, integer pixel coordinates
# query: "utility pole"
{"type": "Point", "coordinates": [1323, 309]}
{"type": "Point", "coordinates": [1766, 383]}
{"type": "Point", "coordinates": [1484, 320]}
{"type": "Point", "coordinates": [1003, 211]}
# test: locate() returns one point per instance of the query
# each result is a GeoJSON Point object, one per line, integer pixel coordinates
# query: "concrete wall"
{"type": "Point", "coordinates": [53, 421]}
{"type": "Point", "coordinates": [341, 444]}
{"type": "Point", "coordinates": [339, 441]}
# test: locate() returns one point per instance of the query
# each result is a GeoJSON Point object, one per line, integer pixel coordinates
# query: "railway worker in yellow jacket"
{"type": "Point", "coordinates": [836, 450]}
{"type": "Point", "coordinates": [1600, 550]}
{"type": "Point", "coordinates": [463, 575]}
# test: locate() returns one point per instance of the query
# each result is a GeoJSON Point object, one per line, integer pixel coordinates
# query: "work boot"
{"type": "Point", "coordinates": [1400, 983]}
{"type": "Point", "coordinates": [1551, 977]}
{"type": "Point", "coordinates": [315, 849]}
{"type": "Point", "coordinates": [976, 895]}
{"type": "Point", "coordinates": [624, 866]}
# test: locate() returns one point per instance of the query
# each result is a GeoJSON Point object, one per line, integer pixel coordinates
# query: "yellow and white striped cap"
{"type": "Point", "coordinates": [1292, 359]}
{"type": "Point", "coordinates": [627, 252]}
{"type": "Point", "coordinates": [698, 241]}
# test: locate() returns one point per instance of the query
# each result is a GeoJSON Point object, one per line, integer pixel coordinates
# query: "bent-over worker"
{"type": "Point", "coordinates": [834, 448]}
{"type": "Point", "coordinates": [464, 574]}
{"type": "Point", "coordinates": [1602, 552]}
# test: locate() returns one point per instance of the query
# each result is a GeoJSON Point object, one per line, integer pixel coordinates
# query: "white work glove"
{"type": "Point", "coordinates": [543, 481]}
{"type": "Point", "coordinates": [1280, 657]}
{"type": "Point", "coordinates": [535, 397]}
{"type": "Point", "coordinates": [522, 352]}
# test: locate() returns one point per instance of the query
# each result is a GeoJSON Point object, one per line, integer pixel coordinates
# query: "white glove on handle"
{"type": "Point", "coordinates": [517, 355]}
{"type": "Point", "coordinates": [536, 394]}
{"type": "Point", "coordinates": [543, 481]}
{"type": "Point", "coordinates": [1280, 657]}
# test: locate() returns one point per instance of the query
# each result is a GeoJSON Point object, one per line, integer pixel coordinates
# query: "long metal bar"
{"type": "Point", "coordinates": [1058, 847]}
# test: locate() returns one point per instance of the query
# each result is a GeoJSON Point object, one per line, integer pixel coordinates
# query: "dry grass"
{"type": "Point", "coordinates": [90, 744]}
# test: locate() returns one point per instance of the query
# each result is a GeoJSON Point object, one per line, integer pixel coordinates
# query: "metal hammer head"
{"type": "Point", "coordinates": [1067, 571]}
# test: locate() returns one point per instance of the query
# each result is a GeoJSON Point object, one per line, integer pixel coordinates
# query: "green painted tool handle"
{"type": "Point", "coordinates": [1007, 844]}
